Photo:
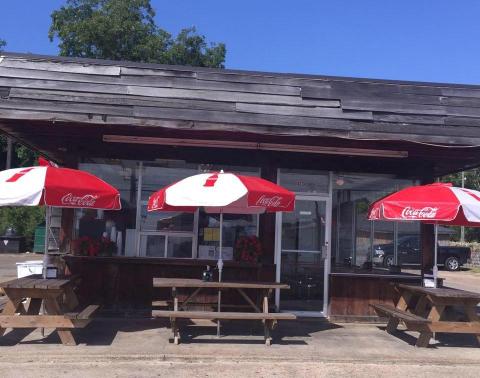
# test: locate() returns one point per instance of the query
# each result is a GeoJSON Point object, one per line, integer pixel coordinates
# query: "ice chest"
{"type": "Point", "coordinates": [28, 268]}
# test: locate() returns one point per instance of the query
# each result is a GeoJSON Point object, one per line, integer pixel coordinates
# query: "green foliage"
{"type": "Point", "coordinates": [126, 30]}
{"type": "Point", "coordinates": [2, 44]}
{"type": "Point", "coordinates": [23, 219]}
{"type": "Point", "coordinates": [472, 179]}
{"type": "Point", "coordinates": [21, 155]}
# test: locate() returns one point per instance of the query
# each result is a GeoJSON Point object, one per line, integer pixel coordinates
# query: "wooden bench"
{"type": "Point", "coordinates": [269, 319]}
{"type": "Point", "coordinates": [422, 310]}
{"type": "Point", "coordinates": [395, 315]}
{"type": "Point", "coordinates": [25, 297]}
{"type": "Point", "coordinates": [85, 314]}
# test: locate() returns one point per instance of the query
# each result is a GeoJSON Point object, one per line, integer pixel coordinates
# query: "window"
{"type": "Point", "coordinates": [165, 234]}
{"type": "Point", "coordinates": [356, 240]}
{"type": "Point", "coordinates": [118, 226]}
{"type": "Point", "coordinates": [159, 234]}
{"type": "Point", "coordinates": [235, 226]}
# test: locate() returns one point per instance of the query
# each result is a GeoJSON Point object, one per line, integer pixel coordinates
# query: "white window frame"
{"type": "Point", "coordinates": [140, 233]}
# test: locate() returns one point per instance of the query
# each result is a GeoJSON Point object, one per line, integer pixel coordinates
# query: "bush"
{"type": "Point", "coordinates": [24, 220]}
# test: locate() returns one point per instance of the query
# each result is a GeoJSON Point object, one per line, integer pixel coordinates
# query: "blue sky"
{"type": "Point", "coordinates": [425, 40]}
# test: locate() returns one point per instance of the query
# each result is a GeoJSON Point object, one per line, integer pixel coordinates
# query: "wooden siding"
{"type": "Point", "coordinates": [112, 93]}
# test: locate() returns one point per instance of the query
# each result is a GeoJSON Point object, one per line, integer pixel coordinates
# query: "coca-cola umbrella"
{"type": "Point", "coordinates": [439, 203]}
{"type": "Point", "coordinates": [50, 186]}
{"type": "Point", "coordinates": [221, 193]}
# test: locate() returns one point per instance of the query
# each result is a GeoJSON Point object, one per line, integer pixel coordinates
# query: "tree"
{"type": "Point", "coordinates": [2, 44]}
{"type": "Point", "coordinates": [126, 30]}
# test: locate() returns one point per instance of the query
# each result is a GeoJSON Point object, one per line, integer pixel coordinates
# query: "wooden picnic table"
{"type": "Point", "coordinates": [260, 311]}
{"type": "Point", "coordinates": [422, 309]}
{"type": "Point", "coordinates": [24, 306]}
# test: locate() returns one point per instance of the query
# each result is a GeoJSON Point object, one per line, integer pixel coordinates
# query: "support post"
{"type": "Point", "coordinates": [266, 226]}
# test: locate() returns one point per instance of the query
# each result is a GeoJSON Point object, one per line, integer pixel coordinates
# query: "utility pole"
{"type": "Point", "coordinates": [462, 228]}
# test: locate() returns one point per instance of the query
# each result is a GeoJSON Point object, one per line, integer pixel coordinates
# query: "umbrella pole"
{"type": "Point", "coordinates": [435, 267]}
{"type": "Point", "coordinates": [220, 268]}
{"type": "Point", "coordinates": [47, 234]}
{"type": "Point", "coordinates": [45, 255]}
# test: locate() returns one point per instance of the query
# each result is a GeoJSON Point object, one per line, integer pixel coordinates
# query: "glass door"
{"type": "Point", "coordinates": [304, 247]}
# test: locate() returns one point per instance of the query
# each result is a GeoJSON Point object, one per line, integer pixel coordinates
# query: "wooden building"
{"type": "Point", "coordinates": [338, 142]}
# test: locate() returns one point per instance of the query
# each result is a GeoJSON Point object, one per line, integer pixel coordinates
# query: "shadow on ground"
{"type": "Point", "coordinates": [238, 332]}
{"type": "Point", "coordinates": [102, 332]}
{"type": "Point", "coordinates": [456, 340]}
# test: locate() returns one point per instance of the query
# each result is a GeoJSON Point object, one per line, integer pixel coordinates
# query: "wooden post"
{"type": "Point", "coordinates": [267, 222]}
{"type": "Point", "coordinates": [427, 239]}
{"type": "Point", "coordinates": [68, 215]}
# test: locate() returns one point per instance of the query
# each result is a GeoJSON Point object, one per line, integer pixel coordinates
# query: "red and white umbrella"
{"type": "Point", "coordinates": [51, 186]}
{"type": "Point", "coordinates": [221, 192]}
{"type": "Point", "coordinates": [434, 203]}
{"type": "Point", "coordinates": [439, 203]}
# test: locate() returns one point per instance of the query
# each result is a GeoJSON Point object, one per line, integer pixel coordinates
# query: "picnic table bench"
{"type": "Point", "coordinates": [261, 312]}
{"type": "Point", "coordinates": [24, 298]}
{"type": "Point", "coordinates": [422, 310]}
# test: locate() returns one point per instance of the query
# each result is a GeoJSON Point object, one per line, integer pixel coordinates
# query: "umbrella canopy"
{"type": "Point", "coordinates": [221, 192]}
{"type": "Point", "coordinates": [50, 185]}
{"type": "Point", "coordinates": [439, 203]}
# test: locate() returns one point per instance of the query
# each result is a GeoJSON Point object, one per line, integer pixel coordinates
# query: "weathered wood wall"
{"type": "Point", "coordinates": [123, 285]}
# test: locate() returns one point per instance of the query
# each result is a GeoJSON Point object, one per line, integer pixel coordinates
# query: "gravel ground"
{"type": "Point", "coordinates": [227, 369]}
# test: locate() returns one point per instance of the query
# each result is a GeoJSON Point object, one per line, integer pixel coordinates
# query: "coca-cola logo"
{"type": "Point", "coordinates": [265, 201]}
{"type": "Point", "coordinates": [88, 200]}
{"type": "Point", "coordinates": [423, 213]}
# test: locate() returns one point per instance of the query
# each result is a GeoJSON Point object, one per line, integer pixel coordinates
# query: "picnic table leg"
{"type": "Point", "coordinates": [71, 300]}
{"type": "Point", "coordinates": [403, 303]}
{"type": "Point", "coordinates": [421, 307]}
{"type": "Point", "coordinates": [219, 310]}
{"type": "Point", "coordinates": [34, 306]}
{"type": "Point", "coordinates": [392, 324]}
{"type": "Point", "coordinates": [53, 308]}
{"type": "Point", "coordinates": [471, 312]}
{"type": "Point", "coordinates": [10, 309]}
{"type": "Point", "coordinates": [267, 323]}
{"type": "Point", "coordinates": [435, 313]}
{"type": "Point", "coordinates": [173, 321]}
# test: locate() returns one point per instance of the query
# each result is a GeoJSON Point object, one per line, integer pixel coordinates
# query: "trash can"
{"type": "Point", "coordinates": [10, 242]}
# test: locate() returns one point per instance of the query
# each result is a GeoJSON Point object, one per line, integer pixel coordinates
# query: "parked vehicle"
{"type": "Point", "coordinates": [452, 258]}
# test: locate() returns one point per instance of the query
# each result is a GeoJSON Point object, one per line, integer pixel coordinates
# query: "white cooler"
{"type": "Point", "coordinates": [28, 268]}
